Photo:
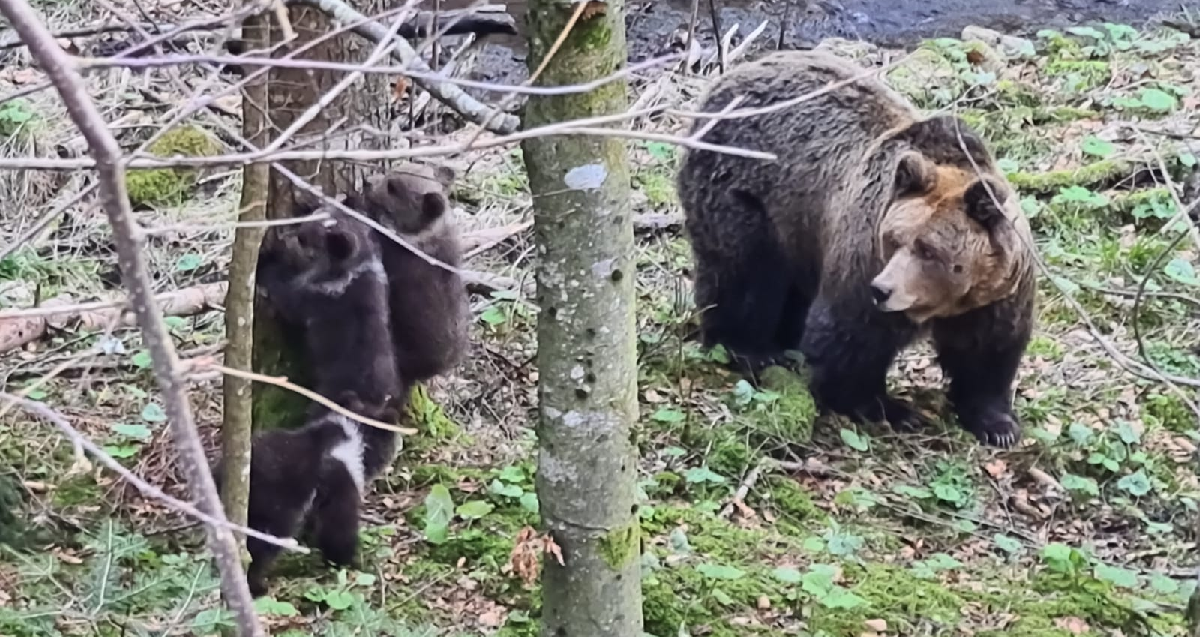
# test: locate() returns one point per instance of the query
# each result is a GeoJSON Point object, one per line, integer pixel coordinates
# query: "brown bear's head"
{"type": "Point", "coordinates": [950, 241]}
{"type": "Point", "coordinates": [410, 198]}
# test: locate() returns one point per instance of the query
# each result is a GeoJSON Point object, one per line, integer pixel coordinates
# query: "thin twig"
{"type": "Point", "coordinates": [281, 381]}
{"type": "Point", "coordinates": [111, 176]}
{"type": "Point", "coordinates": [47, 413]}
{"type": "Point", "coordinates": [577, 127]}
{"type": "Point", "coordinates": [739, 497]}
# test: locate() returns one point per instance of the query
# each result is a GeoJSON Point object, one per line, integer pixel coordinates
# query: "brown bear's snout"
{"type": "Point", "coordinates": [880, 292]}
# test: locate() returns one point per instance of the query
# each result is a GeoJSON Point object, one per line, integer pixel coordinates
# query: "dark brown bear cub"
{"type": "Point", "coordinates": [873, 226]}
{"type": "Point", "coordinates": [428, 302]}
{"type": "Point", "coordinates": [327, 279]}
{"type": "Point", "coordinates": [284, 484]}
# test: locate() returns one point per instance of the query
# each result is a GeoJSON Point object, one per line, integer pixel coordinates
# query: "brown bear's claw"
{"type": "Point", "coordinates": [998, 430]}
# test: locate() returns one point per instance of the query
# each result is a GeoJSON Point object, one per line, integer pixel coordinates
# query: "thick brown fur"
{"type": "Point", "coordinates": [428, 302]}
{"type": "Point", "coordinates": [870, 228]}
{"type": "Point", "coordinates": [284, 485]}
{"type": "Point", "coordinates": [326, 278]}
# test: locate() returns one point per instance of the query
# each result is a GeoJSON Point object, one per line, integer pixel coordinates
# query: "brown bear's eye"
{"type": "Point", "coordinates": [958, 268]}
{"type": "Point", "coordinates": [922, 250]}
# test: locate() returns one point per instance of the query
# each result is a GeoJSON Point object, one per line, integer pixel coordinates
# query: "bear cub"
{"type": "Point", "coordinates": [326, 279]}
{"type": "Point", "coordinates": [284, 484]}
{"type": "Point", "coordinates": [874, 226]}
{"type": "Point", "coordinates": [429, 311]}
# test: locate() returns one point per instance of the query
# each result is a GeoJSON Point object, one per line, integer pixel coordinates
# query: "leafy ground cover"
{"type": "Point", "coordinates": [757, 518]}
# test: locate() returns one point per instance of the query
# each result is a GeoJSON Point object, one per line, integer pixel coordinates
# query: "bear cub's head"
{"type": "Point", "coordinates": [410, 198]}
{"type": "Point", "coordinates": [949, 241]}
{"type": "Point", "coordinates": [330, 253]}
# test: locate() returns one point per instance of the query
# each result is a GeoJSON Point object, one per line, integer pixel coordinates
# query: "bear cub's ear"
{"type": "Point", "coordinates": [914, 175]}
{"type": "Point", "coordinates": [340, 245]}
{"type": "Point", "coordinates": [986, 210]}
{"type": "Point", "coordinates": [433, 206]}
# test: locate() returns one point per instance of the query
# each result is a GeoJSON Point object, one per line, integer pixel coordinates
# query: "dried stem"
{"type": "Point", "coordinates": [279, 381]}
{"type": "Point", "coordinates": [111, 177]}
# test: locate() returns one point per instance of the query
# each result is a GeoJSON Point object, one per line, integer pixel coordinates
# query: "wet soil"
{"type": "Point", "coordinates": [650, 24]}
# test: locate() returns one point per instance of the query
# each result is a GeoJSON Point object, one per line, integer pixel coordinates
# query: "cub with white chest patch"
{"type": "Point", "coordinates": [283, 482]}
{"type": "Point", "coordinates": [326, 278]}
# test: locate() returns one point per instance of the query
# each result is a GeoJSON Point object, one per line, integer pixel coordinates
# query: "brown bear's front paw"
{"type": "Point", "coordinates": [903, 417]}
{"type": "Point", "coordinates": [995, 428]}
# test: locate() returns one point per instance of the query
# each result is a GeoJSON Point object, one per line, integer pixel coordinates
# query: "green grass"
{"type": "Point", "coordinates": [1080, 530]}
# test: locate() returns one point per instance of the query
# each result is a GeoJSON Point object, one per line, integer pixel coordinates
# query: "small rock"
{"type": "Point", "coordinates": [877, 625]}
{"type": "Point", "coordinates": [764, 603]}
{"type": "Point", "coordinates": [1009, 46]}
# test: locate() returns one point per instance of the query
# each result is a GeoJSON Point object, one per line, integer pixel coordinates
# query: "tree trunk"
{"type": "Point", "coordinates": [239, 297]}
{"type": "Point", "coordinates": [1193, 611]}
{"type": "Point", "coordinates": [587, 348]}
{"type": "Point", "coordinates": [292, 91]}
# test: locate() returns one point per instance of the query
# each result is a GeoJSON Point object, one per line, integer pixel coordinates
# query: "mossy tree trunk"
{"type": "Point", "coordinates": [587, 348]}
{"type": "Point", "coordinates": [290, 93]}
{"type": "Point", "coordinates": [239, 300]}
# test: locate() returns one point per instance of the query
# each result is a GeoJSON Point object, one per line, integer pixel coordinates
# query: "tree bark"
{"type": "Point", "coordinates": [239, 297]}
{"type": "Point", "coordinates": [587, 348]}
{"type": "Point", "coordinates": [291, 92]}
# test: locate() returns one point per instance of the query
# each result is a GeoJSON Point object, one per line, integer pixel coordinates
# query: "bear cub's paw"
{"type": "Point", "coordinates": [751, 366]}
{"type": "Point", "coordinates": [995, 428]}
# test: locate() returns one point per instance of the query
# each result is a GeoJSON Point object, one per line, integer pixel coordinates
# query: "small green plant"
{"type": "Point", "coordinates": [15, 115]}
{"type": "Point", "coordinates": [506, 312]}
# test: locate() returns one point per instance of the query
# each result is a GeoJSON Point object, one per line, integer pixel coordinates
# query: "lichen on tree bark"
{"type": "Point", "coordinates": [587, 347]}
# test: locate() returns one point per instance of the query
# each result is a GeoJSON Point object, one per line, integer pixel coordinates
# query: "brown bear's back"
{"type": "Point", "coordinates": [818, 141]}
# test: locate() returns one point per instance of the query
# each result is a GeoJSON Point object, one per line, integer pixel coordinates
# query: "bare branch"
{"type": "Point", "coordinates": [107, 154]}
{"type": "Point", "coordinates": [279, 381]}
{"type": "Point", "coordinates": [45, 412]}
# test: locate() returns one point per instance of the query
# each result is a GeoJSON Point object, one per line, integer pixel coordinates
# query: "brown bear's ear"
{"type": "Point", "coordinates": [986, 208]}
{"type": "Point", "coordinates": [433, 206]}
{"type": "Point", "coordinates": [914, 175]}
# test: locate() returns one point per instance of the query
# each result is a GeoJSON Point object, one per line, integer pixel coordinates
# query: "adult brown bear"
{"type": "Point", "coordinates": [873, 226]}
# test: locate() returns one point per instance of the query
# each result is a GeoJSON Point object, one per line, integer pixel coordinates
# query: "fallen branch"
{"type": "Point", "coordinates": [19, 327]}
{"type": "Point", "coordinates": [449, 94]}
{"type": "Point", "coordinates": [486, 20]}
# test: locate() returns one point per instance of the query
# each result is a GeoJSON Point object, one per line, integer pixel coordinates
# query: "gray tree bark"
{"type": "Point", "coordinates": [239, 296]}
{"type": "Point", "coordinates": [587, 347]}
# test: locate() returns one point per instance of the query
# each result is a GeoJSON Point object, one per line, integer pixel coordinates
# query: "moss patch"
{"type": "Point", "coordinates": [169, 186]}
{"type": "Point", "coordinates": [621, 545]}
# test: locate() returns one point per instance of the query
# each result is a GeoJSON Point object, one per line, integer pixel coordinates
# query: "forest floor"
{"type": "Point", "coordinates": [1088, 527]}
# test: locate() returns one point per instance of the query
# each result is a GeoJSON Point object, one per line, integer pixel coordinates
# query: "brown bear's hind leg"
{"type": "Point", "coordinates": [741, 304]}
{"type": "Point", "coordinates": [791, 322]}
{"type": "Point", "coordinates": [848, 351]}
{"type": "Point", "coordinates": [982, 365]}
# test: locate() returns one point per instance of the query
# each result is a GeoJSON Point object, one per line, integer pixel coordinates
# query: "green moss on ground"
{"type": "Point", "coordinates": [169, 186]}
{"type": "Point", "coordinates": [1094, 175]}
